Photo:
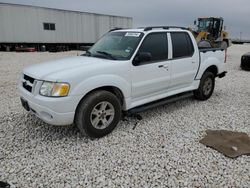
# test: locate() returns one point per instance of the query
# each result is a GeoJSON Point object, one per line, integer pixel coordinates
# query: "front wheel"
{"type": "Point", "coordinates": [98, 114]}
{"type": "Point", "coordinates": [206, 87]}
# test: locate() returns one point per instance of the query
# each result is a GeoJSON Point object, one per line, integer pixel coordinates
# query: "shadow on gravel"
{"type": "Point", "coordinates": [28, 126]}
{"type": "Point", "coordinates": [170, 107]}
{"type": "Point", "coordinates": [4, 185]}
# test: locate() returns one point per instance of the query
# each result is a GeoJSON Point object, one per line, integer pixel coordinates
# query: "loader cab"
{"type": "Point", "coordinates": [211, 25]}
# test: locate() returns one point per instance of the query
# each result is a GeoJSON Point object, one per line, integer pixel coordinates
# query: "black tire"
{"type": "Point", "coordinates": [206, 87]}
{"type": "Point", "coordinates": [87, 109]}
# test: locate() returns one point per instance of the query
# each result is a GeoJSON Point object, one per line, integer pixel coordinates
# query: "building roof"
{"type": "Point", "coordinates": [57, 9]}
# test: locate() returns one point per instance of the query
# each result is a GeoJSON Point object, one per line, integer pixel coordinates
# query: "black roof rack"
{"type": "Point", "coordinates": [117, 28]}
{"type": "Point", "coordinates": [163, 27]}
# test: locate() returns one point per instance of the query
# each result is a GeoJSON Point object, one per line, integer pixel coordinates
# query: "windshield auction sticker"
{"type": "Point", "coordinates": [132, 34]}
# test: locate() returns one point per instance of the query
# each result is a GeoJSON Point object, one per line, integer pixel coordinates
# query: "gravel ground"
{"type": "Point", "coordinates": [163, 150]}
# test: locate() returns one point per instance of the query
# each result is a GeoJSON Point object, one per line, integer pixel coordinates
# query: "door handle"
{"type": "Point", "coordinates": [163, 66]}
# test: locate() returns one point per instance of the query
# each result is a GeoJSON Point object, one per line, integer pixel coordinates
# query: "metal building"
{"type": "Point", "coordinates": [39, 25]}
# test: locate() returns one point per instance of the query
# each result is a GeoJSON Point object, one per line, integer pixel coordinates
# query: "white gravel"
{"type": "Point", "coordinates": [163, 150]}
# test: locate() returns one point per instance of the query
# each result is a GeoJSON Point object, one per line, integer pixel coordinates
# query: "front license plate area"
{"type": "Point", "coordinates": [25, 104]}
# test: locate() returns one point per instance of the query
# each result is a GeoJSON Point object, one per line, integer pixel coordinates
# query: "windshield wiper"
{"type": "Point", "coordinates": [106, 54]}
{"type": "Point", "coordinates": [87, 53]}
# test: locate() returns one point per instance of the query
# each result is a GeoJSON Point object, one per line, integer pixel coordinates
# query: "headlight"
{"type": "Point", "coordinates": [52, 89]}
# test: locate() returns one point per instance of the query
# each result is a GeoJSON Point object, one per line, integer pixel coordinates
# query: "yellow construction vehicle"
{"type": "Point", "coordinates": [210, 33]}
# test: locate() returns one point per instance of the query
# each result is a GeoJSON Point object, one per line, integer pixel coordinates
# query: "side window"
{"type": "Point", "coordinates": [52, 26]}
{"type": "Point", "coordinates": [182, 45]}
{"type": "Point", "coordinates": [46, 26]}
{"type": "Point", "coordinates": [157, 45]}
{"type": "Point", "coordinates": [49, 26]}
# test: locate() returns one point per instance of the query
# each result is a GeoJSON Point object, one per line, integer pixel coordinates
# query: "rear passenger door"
{"type": "Point", "coordinates": [151, 77]}
{"type": "Point", "coordinates": [185, 61]}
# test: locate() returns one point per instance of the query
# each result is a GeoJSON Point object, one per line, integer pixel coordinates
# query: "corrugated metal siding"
{"type": "Point", "coordinates": [25, 24]}
{"type": "Point", "coordinates": [1, 23]}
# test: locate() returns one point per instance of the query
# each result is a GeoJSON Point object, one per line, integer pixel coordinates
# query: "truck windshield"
{"type": "Point", "coordinates": [116, 45]}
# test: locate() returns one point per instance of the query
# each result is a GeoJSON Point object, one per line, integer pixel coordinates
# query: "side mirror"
{"type": "Point", "coordinates": [142, 57]}
{"type": "Point", "coordinates": [195, 22]}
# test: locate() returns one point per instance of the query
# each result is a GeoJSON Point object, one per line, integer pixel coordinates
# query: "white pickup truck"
{"type": "Point", "coordinates": [125, 70]}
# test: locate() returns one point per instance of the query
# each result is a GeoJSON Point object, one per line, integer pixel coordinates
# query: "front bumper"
{"type": "Point", "coordinates": [54, 111]}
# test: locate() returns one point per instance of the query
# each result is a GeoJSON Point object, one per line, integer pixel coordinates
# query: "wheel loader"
{"type": "Point", "coordinates": [210, 33]}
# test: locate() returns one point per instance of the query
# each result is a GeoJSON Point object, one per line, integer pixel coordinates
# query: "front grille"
{"type": "Point", "coordinates": [28, 82]}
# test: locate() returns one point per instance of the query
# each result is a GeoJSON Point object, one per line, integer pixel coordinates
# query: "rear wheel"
{"type": "Point", "coordinates": [206, 87]}
{"type": "Point", "coordinates": [98, 114]}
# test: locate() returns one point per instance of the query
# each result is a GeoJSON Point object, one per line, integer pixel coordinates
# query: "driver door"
{"type": "Point", "coordinates": [151, 77]}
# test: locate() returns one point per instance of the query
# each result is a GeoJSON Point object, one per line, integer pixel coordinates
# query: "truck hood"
{"type": "Point", "coordinates": [43, 71]}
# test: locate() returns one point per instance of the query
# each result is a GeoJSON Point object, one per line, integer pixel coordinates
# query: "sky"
{"type": "Point", "coordinates": [236, 14]}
